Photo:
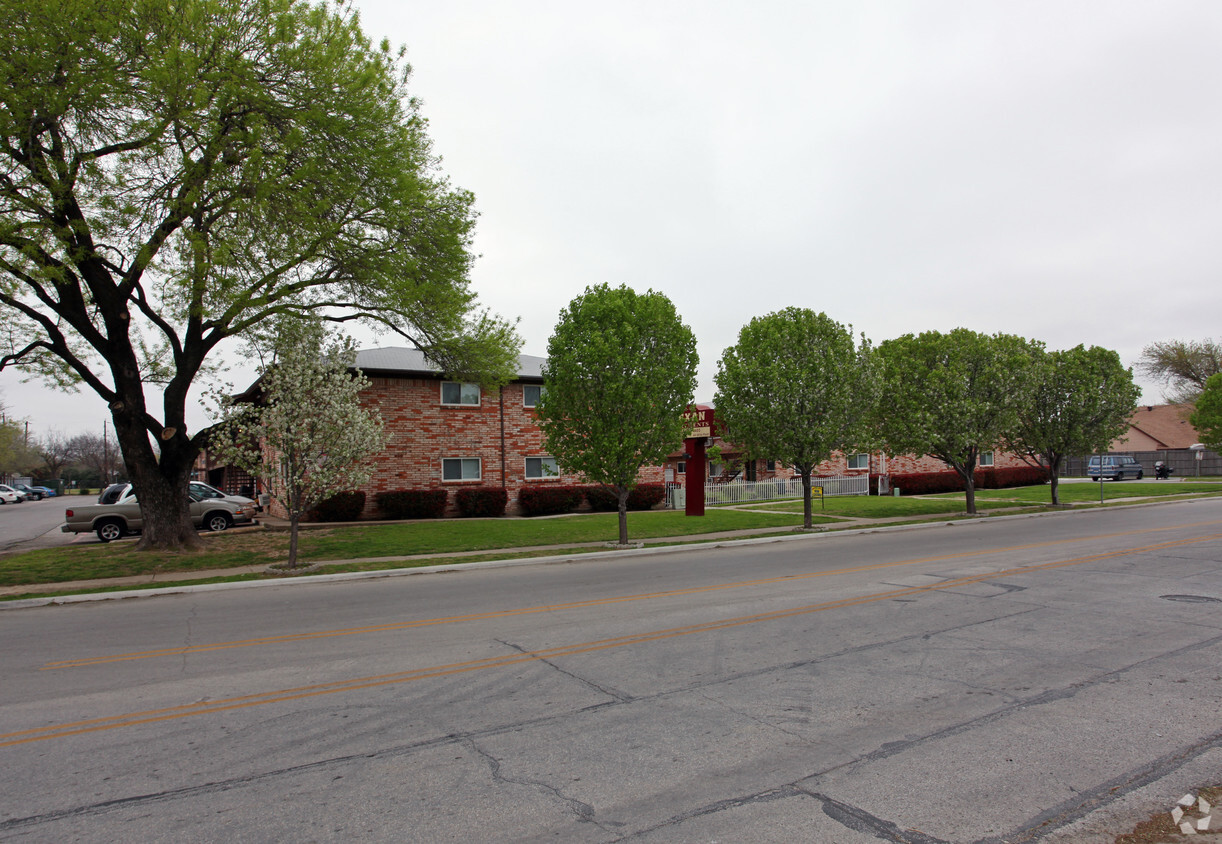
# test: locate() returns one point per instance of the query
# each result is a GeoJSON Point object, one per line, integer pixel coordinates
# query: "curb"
{"type": "Point", "coordinates": [556, 559]}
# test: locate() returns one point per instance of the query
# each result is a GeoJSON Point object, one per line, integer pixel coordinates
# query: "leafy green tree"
{"type": "Point", "coordinates": [174, 173]}
{"type": "Point", "coordinates": [620, 371]}
{"type": "Point", "coordinates": [1080, 400]}
{"type": "Point", "coordinates": [306, 435]}
{"type": "Point", "coordinates": [795, 388]}
{"type": "Point", "coordinates": [952, 396]}
{"type": "Point", "coordinates": [1182, 366]}
{"type": "Point", "coordinates": [1207, 417]}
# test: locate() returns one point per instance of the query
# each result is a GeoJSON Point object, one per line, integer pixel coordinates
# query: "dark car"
{"type": "Point", "coordinates": [1117, 467]}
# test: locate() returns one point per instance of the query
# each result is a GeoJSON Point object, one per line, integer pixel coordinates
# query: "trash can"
{"type": "Point", "coordinates": [895, 491]}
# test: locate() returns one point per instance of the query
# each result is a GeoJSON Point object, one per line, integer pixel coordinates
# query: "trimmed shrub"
{"type": "Point", "coordinates": [341, 507]}
{"type": "Point", "coordinates": [642, 497]}
{"type": "Point", "coordinates": [413, 503]}
{"type": "Point", "coordinates": [548, 499]}
{"type": "Point", "coordinates": [646, 496]}
{"type": "Point", "coordinates": [927, 483]}
{"type": "Point", "coordinates": [482, 501]}
{"type": "Point", "coordinates": [601, 499]}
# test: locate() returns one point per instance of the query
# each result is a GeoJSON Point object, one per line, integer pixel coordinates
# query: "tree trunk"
{"type": "Point", "coordinates": [621, 493]}
{"type": "Point", "coordinates": [294, 520]}
{"type": "Point", "coordinates": [1054, 479]}
{"type": "Point", "coordinates": [160, 482]}
{"type": "Point", "coordinates": [969, 489]}
{"type": "Point", "coordinates": [807, 520]}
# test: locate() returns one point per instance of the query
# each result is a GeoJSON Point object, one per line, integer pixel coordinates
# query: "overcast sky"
{"type": "Point", "coordinates": [1047, 169]}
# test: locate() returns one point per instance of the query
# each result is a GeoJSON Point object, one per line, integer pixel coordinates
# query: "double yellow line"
{"type": "Point", "coordinates": [373, 681]}
{"type": "Point", "coordinates": [289, 638]}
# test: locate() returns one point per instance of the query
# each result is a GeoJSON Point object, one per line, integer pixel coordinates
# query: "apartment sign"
{"type": "Point", "coordinates": [701, 420]}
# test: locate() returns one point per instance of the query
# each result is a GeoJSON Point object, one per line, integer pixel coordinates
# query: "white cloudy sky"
{"type": "Point", "coordinates": [1048, 169]}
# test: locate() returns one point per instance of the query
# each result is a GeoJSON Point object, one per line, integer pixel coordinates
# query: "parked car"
{"type": "Point", "coordinates": [47, 491]}
{"type": "Point", "coordinates": [1116, 467]}
{"type": "Point", "coordinates": [30, 492]}
{"type": "Point", "coordinates": [203, 490]}
{"type": "Point", "coordinates": [117, 518]}
{"type": "Point", "coordinates": [8, 495]}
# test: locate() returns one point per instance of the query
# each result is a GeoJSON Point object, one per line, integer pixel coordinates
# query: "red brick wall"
{"type": "Point", "coordinates": [420, 431]}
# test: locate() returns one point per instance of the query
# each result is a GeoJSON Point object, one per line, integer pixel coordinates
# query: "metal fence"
{"type": "Point", "coordinates": [738, 491]}
{"type": "Point", "coordinates": [1181, 461]}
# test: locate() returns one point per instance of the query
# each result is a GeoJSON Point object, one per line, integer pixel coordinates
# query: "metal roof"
{"type": "Point", "coordinates": [407, 360]}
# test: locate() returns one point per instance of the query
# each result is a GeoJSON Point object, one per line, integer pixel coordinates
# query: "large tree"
{"type": "Point", "coordinates": [302, 431]}
{"type": "Point", "coordinates": [1207, 417]}
{"type": "Point", "coordinates": [1181, 366]}
{"type": "Point", "coordinates": [1080, 400]}
{"type": "Point", "coordinates": [795, 388]}
{"type": "Point", "coordinates": [173, 173]}
{"type": "Point", "coordinates": [952, 396]}
{"type": "Point", "coordinates": [620, 371]}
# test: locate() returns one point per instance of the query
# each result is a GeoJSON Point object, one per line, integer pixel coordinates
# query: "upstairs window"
{"type": "Point", "coordinates": [531, 393]}
{"type": "Point", "coordinates": [452, 392]}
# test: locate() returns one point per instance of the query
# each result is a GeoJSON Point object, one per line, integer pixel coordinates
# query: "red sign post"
{"type": "Point", "coordinates": [704, 424]}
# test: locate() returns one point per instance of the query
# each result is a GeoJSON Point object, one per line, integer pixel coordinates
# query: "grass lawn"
{"type": "Point", "coordinates": [441, 537]}
{"type": "Point", "coordinates": [882, 507]}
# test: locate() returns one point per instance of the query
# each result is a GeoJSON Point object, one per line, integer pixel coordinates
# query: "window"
{"type": "Point", "coordinates": [542, 468]}
{"type": "Point", "coordinates": [859, 461]}
{"type": "Point", "coordinates": [460, 469]}
{"type": "Point", "coordinates": [682, 470]}
{"type": "Point", "coordinates": [771, 465]}
{"type": "Point", "coordinates": [531, 393]}
{"type": "Point", "coordinates": [453, 392]}
{"type": "Point", "coordinates": [986, 458]}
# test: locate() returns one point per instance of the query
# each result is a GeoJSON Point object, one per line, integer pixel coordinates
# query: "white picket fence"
{"type": "Point", "coordinates": [740, 491]}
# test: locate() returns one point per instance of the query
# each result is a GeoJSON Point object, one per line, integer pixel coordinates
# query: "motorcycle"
{"type": "Point", "coordinates": [1162, 471]}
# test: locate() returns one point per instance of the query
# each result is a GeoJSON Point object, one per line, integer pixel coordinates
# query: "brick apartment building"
{"type": "Point", "coordinates": [444, 434]}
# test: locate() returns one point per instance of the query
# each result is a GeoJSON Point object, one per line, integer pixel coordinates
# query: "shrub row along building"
{"type": "Point", "coordinates": [450, 435]}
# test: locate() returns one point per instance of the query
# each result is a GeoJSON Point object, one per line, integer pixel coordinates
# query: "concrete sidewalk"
{"type": "Point", "coordinates": [539, 553]}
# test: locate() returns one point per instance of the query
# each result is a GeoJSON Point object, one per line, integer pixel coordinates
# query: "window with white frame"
{"type": "Point", "coordinates": [452, 392]}
{"type": "Point", "coordinates": [986, 458]}
{"type": "Point", "coordinates": [460, 469]}
{"type": "Point", "coordinates": [682, 470]}
{"type": "Point", "coordinates": [531, 393]}
{"type": "Point", "coordinates": [859, 461]}
{"type": "Point", "coordinates": [542, 468]}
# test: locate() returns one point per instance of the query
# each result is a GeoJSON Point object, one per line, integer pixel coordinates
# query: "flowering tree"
{"type": "Point", "coordinates": [304, 434]}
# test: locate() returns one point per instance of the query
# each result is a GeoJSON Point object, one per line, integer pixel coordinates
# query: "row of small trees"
{"type": "Point", "coordinates": [798, 386]}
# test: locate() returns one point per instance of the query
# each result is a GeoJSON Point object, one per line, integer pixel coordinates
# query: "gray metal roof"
{"type": "Point", "coordinates": [410, 360]}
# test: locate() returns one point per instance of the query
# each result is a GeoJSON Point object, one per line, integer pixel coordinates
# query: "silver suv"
{"type": "Point", "coordinates": [1116, 467]}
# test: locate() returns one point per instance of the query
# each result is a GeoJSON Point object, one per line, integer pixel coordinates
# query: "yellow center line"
{"type": "Point", "coordinates": [315, 690]}
{"type": "Point", "coordinates": [595, 602]}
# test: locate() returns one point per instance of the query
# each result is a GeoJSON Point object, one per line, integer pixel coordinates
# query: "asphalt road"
{"type": "Point", "coordinates": [1006, 680]}
{"type": "Point", "coordinates": [35, 524]}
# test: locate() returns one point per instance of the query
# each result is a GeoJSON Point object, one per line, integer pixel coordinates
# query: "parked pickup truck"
{"type": "Point", "coordinates": [118, 514]}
